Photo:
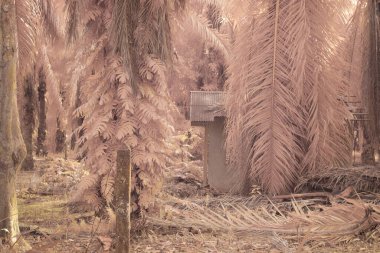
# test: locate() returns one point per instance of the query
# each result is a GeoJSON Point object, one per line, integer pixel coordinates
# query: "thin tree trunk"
{"type": "Point", "coordinates": [60, 138]}
{"type": "Point", "coordinates": [12, 147]}
{"type": "Point", "coordinates": [78, 121]}
{"type": "Point", "coordinates": [28, 110]}
{"type": "Point", "coordinates": [367, 155]}
{"type": "Point", "coordinates": [41, 138]}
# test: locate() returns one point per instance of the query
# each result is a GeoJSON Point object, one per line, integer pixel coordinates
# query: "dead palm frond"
{"type": "Point", "coordinates": [74, 10]}
{"type": "Point", "coordinates": [287, 70]}
{"type": "Point", "coordinates": [49, 18]}
{"type": "Point", "coordinates": [209, 34]}
{"type": "Point", "coordinates": [326, 132]}
{"type": "Point", "coordinates": [263, 123]}
{"type": "Point", "coordinates": [312, 222]}
{"type": "Point", "coordinates": [362, 179]}
{"type": "Point", "coordinates": [36, 21]}
{"type": "Point", "coordinates": [26, 13]}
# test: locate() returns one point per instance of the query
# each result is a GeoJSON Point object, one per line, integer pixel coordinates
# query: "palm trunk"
{"type": "Point", "coordinates": [41, 138]}
{"type": "Point", "coordinates": [28, 121]}
{"type": "Point", "coordinates": [372, 128]}
{"type": "Point", "coordinates": [60, 138]}
{"type": "Point", "coordinates": [12, 148]}
{"type": "Point", "coordinates": [78, 121]}
{"type": "Point", "coordinates": [368, 155]}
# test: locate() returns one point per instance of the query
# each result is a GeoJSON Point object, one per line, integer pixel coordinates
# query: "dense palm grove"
{"type": "Point", "coordinates": [97, 76]}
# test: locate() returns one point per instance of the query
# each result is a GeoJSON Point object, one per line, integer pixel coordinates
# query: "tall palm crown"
{"type": "Point", "coordinates": [123, 86]}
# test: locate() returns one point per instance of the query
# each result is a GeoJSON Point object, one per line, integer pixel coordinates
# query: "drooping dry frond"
{"type": "Point", "coordinates": [26, 12]}
{"type": "Point", "coordinates": [263, 123]}
{"type": "Point", "coordinates": [327, 136]}
{"type": "Point", "coordinates": [202, 25]}
{"type": "Point", "coordinates": [307, 220]}
{"type": "Point", "coordinates": [289, 68]}
{"type": "Point", "coordinates": [53, 84]}
{"type": "Point", "coordinates": [356, 54]}
{"type": "Point", "coordinates": [49, 19]}
{"type": "Point", "coordinates": [362, 179]}
{"type": "Point", "coordinates": [74, 10]}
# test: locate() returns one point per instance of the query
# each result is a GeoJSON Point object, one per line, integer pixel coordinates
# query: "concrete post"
{"type": "Point", "coordinates": [122, 201]}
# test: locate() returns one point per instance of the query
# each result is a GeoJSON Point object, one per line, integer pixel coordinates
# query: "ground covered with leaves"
{"type": "Point", "coordinates": [191, 217]}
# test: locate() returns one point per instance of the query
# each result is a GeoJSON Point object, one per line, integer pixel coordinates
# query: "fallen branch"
{"type": "Point", "coordinates": [363, 179]}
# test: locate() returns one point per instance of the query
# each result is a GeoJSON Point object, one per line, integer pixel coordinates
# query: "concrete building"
{"type": "Point", "coordinates": [207, 110]}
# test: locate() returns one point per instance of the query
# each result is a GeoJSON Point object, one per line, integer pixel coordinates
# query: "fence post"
{"type": "Point", "coordinates": [122, 201]}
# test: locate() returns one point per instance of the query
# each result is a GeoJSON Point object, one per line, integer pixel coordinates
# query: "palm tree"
{"type": "Point", "coordinates": [125, 100]}
{"type": "Point", "coordinates": [12, 148]}
{"type": "Point", "coordinates": [18, 28]}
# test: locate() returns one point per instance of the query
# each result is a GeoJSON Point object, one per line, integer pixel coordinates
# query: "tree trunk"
{"type": "Point", "coordinates": [368, 155]}
{"type": "Point", "coordinates": [60, 138]}
{"type": "Point", "coordinates": [78, 121]}
{"type": "Point", "coordinates": [12, 148]}
{"type": "Point", "coordinates": [28, 125]}
{"type": "Point", "coordinates": [41, 146]}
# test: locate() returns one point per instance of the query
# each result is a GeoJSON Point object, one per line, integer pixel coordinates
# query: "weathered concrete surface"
{"type": "Point", "coordinates": [218, 178]}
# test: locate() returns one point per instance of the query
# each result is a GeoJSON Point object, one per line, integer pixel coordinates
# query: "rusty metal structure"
{"type": "Point", "coordinates": [207, 110]}
{"type": "Point", "coordinates": [205, 106]}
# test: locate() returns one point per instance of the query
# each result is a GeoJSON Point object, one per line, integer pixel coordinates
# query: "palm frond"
{"type": "Point", "coordinates": [308, 220]}
{"type": "Point", "coordinates": [54, 97]}
{"type": "Point", "coordinates": [290, 69]}
{"type": "Point", "coordinates": [269, 112]}
{"type": "Point", "coordinates": [213, 36]}
{"type": "Point", "coordinates": [362, 179]}
{"type": "Point", "coordinates": [27, 32]}
{"type": "Point", "coordinates": [49, 19]}
{"type": "Point", "coordinates": [327, 136]}
{"type": "Point", "coordinates": [74, 9]}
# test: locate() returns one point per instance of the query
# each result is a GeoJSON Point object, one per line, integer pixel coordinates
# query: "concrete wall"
{"type": "Point", "coordinates": [218, 178]}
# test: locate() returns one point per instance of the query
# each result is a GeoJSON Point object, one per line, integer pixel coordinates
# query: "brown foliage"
{"type": "Point", "coordinates": [288, 69]}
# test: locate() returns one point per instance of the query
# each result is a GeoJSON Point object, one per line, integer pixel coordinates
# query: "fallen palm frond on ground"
{"type": "Point", "coordinates": [339, 220]}
{"type": "Point", "coordinates": [366, 178]}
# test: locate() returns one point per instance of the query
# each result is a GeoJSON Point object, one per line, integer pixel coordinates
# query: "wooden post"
{"type": "Point", "coordinates": [122, 201]}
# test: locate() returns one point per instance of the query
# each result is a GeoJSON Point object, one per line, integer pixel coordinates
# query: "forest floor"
{"type": "Point", "coordinates": [49, 226]}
